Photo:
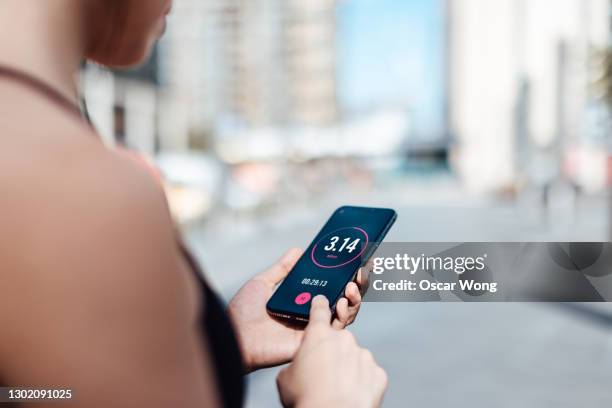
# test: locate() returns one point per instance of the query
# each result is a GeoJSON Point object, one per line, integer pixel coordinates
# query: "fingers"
{"type": "Point", "coordinates": [342, 314]}
{"type": "Point", "coordinates": [352, 294]}
{"type": "Point", "coordinates": [381, 381]}
{"type": "Point", "coordinates": [378, 376]}
{"type": "Point", "coordinates": [347, 307]}
{"type": "Point", "coordinates": [363, 276]}
{"type": "Point", "coordinates": [360, 276]}
{"type": "Point", "coordinates": [320, 315]}
{"type": "Point", "coordinates": [281, 268]}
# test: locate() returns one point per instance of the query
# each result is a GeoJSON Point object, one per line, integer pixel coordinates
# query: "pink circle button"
{"type": "Point", "coordinates": [302, 298]}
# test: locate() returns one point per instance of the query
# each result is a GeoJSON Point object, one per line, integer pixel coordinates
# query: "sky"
{"type": "Point", "coordinates": [391, 53]}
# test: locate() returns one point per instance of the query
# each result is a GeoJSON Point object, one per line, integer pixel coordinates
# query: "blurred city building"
{"type": "Point", "coordinates": [520, 75]}
{"type": "Point", "coordinates": [279, 100]}
{"type": "Point", "coordinates": [309, 51]}
{"type": "Point", "coordinates": [124, 105]}
{"type": "Point", "coordinates": [252, 63]}
{"type": "Point", "coordinates": [229, 63]}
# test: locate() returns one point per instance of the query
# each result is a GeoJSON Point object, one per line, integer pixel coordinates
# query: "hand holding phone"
{"type": "Point", "coordinates": [345, 243]}
{"type": "Point", "coordinates": [264, 340]}
{"type": "Point", "coordinates": [330, 368]}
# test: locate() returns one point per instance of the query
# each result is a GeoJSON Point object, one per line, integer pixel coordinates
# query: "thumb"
{"type": "Point", "coordinates": [281, 268]}
{"type": "Point", "coordinates": [320, 315]}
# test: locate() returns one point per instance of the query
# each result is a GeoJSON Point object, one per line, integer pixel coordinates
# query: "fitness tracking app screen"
{"type": "Point", "coordinates": [332, 259]}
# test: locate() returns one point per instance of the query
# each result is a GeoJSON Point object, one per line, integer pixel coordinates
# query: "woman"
{"type": "Point", "coordinates": [96, 293]}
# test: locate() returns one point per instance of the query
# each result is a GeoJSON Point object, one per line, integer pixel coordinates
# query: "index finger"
{"type": "Point", "coordinates": [363, 277]}
{"type": "Point", "coordinates": [319, 312]}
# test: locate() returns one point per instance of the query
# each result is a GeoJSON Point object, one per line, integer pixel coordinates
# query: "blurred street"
{"type": "Point", "coordinates": [476, 120]}
{"type": "Point", "coordinates": [443, 354]}
{"type": "Point", "coordinates": [479, 355]}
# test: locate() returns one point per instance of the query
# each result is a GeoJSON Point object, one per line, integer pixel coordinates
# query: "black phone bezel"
{"type": "Point", "coordinates": [299, 318]}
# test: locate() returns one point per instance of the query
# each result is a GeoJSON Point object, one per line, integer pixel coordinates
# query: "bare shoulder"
{"type": "Point", "coordinates": [83, 226]}
{"type": "Point", "coordinates": [94, 291]}
{"type": "Point", "coordinates": [45, 154]}
{"type": "Point", "coordinates": [76, 187]}
{"type": "Point", "coordinates": [54, 169]}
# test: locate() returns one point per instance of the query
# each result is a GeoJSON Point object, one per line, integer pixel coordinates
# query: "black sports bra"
{"type": "Point", "coordinates": [214, 323]}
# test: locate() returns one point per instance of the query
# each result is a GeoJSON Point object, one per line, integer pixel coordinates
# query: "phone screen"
{"type": "Point", "coordinates": [331, 261]}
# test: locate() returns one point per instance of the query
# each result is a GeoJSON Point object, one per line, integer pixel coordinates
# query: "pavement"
{"type": "Point", "coordinates": [443, 354]}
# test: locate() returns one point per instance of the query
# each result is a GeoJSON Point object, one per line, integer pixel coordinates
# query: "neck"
{"type": "Point", "coordinates": [43, 39]}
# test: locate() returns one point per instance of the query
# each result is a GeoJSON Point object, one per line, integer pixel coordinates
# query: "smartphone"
{"type": "Point", "coordinates": [345, 243]}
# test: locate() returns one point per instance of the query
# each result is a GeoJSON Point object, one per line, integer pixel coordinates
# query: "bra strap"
{"type": "Point", "coordinates": [41, 87]}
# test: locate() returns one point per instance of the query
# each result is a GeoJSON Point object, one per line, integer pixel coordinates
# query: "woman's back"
{"type": "Point", "coordinates": [93, 282]}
